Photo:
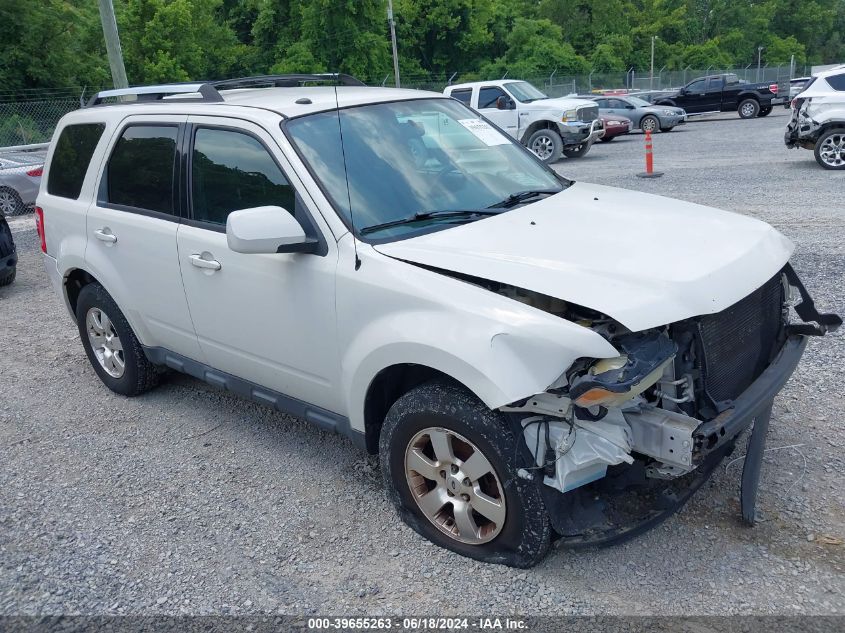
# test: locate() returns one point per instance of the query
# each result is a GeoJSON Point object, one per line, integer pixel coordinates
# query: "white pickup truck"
{"type": "Point", "coordinates": [548, 127]}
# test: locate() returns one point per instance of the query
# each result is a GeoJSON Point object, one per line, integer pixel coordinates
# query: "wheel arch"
{"type": "Point", "coordinates": [542, 124]}
{"type": "Point", "coordinates": [390, 384]}
{"type": "Point", "coordinates": [73, 282]}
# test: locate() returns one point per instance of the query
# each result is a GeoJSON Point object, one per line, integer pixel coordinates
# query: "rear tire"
{"type": "Point", "coordinates": [546, 145]}
{"type": "Point", "coordinates": [10, 202]}
{"type": "Point", "coordinates": [765, 111]}
{"type": "Point", "coordinates": [667, 129]}
{"type": "Point", "coordinates": [110, 344]}
{"type": "Point", "coordinates": [453, 438]}
{"type": "Point", "coordinates": [748, 109]}
{"type": "Point", "coordinates": [830, 149]}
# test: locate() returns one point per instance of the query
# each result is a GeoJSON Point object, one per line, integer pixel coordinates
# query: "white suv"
{"type": "Point", "coordinates": [531, 357]}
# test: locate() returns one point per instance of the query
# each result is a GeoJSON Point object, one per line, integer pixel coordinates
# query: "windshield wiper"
{"type": "Point", "coordinates": [522, 196]}
{"type": "Point", "coordinates": [430, 215]}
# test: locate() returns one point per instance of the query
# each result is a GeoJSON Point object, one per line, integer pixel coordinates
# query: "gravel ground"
{"type": "Point", "coordinates": [190, 500]}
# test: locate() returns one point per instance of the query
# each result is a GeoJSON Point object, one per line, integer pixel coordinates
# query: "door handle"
{"type": "Point", "coordinates": [104, 235]}
{"type": "Point", "coordinates": [206, 264]}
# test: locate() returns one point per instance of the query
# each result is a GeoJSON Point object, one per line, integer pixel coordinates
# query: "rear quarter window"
{"type": "Point", "coordinates": [837, 82]}
{"type": "Point", "coordinates": [463, 95]}
{"type": "Point", "coordinates": [71, 158]}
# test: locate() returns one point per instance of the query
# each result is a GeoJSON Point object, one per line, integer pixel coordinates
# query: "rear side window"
{"type": "Point", "coordinates": [464, 95]}
{"type": "Point", "coordinates": [140, 170]}
{"type": "Point", "coordinates": [837, 82]}
{"type": "Point", "coordinates": [71, 157]}
{"type": "Point", "coordinates": [231, 171]}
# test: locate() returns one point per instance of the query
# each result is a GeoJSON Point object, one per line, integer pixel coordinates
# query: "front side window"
{"type": "Point", "coordinates": [140, 170]}
{"type": "Point", "coordinates": [409, 157]}
{"type": "Point", "coordinates": [71, 157]}
{"type": "Point", "coordinates": [696, 86]}
{"type": "Point", "coordinates": [463, 95]}
{"type": "Point", "coordinates": [488, 95]}
{"type": "Point", "coordinates": [230, 171]}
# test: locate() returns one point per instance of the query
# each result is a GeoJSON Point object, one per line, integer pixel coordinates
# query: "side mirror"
{"type": "Point", "coordinates": [630, 107]}
{"type": "Point", "coordinates": [503, 103]}
{"type": "Point", "coordinates": [266, 230]}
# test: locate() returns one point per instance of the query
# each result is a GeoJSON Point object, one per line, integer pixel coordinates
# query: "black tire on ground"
{"type": "Point", "coordinates": [577, 151]}
{"type": "Point", "coordinates": [546, 145]}
{"type": "Point", "coordinates": [667, 129]}
{"type": "Point", "coordinates": [525, 533]}
{"type": "Point", "coordinates": [8, 276]}
{"type": "Point", "coordinates": [139, 374]}
{"type": "Point", "coordinates": [765, 111]}
{"type": "Point", "coordinates": [830, 149]}
{"type": "Point", "coordinates": [748, 109]}
{"type": "Point", "coordinates": [649, 123]}
{"type": "Point", "coordinates": [10, 202]}
{"type": "Point", "coordinates": [604, 139]}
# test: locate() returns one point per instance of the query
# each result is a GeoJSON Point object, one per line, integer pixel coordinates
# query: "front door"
{"type": "Point", "coordinates": [508, 120]}
{"type": "Point", "coordinates": [269, 319]}
{"type": "Point", "coordinates": [701, 97]}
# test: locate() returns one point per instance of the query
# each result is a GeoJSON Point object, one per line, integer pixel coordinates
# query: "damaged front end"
{"type": "Point", "coordinates": [620, 444]}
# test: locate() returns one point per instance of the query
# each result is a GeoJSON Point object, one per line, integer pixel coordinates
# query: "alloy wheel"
{"type": "Point", "coordinates": [649, 125]}
{"type": "Point", "coordinates": [832, 151]}
{"type": "Point", "coordinates": [455, 486]}
{"type": "Point", "coordinates": [8, 203]}
{"type": "Point", "coordinates": [748, 110]}
{"type": "Point", "coordinates": [105, 342]}
{"type": "Point", "coordinates": [543, 147]}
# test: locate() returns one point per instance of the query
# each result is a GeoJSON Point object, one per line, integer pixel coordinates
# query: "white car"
{"type": "Point", "coordinates": [818, 118]}
{"type": "Point", "coordinates": [530, 356]}
{"type": "Point", "coordinates": [548, 127]}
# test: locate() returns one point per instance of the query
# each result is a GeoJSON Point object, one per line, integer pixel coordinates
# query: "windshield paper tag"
{"type": "Point", "coordinates": [484, 131]}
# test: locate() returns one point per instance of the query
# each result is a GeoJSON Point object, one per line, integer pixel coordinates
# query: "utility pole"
{"type": "Point", "coordinates": [651, 75]}
{"type": "Point", "coordinates": [118, 72]}
{"type": "Point", "coordinates": [393, 41]}
{"type": "Point", "coordinates": [759, 53]}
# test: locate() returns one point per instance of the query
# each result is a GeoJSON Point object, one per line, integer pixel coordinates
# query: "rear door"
{"type": "Point", "coordinates": [269, 318]}
{"type": "Point", "coordinates": [132, 228]}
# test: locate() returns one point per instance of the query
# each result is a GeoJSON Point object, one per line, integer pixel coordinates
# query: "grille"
{"type": "Point", "coordinates": [588, 114]}
{"type": "Point", "coordinates": [738, 342]}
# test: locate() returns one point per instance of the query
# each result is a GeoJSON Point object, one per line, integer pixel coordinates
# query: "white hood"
{"type": "Point", "coordinates": [641, 259]}
{"type": "Point", "coordinates": [557, 103]}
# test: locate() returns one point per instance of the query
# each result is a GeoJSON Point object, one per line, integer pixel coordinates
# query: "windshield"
{"type": "Point", "coordinates": [413, 157]}
{"type": "Point", "coordinates": [640, 103]}
{"type": "Point", "coordinates": [524, 91]}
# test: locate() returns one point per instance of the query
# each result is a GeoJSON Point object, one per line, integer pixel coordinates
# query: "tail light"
{"type": "Point", "coordinates": [773, 88]}
{"type": "Point", "coordinates": [37, 172]}
{"type": "Point", "coordinates": [39, 226]}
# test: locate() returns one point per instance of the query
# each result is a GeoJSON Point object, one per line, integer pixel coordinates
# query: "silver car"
{"type": "Point", "coordinates": [647, 117]}
{"type": "Point", "coordinates": [20, 177]}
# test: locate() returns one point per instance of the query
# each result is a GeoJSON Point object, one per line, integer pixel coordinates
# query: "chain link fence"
{"type": "Point", "coordinates": [30, 116]}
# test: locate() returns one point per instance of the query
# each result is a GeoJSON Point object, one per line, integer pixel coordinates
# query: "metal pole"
{"type": "Point", "coordinates": [792, 67]}
{"type": "Point", "coordinates": [651, 74]}
{"type": "Point", "coordinates": [393, 41]}
{"type": "Point", "coordinates": [759, 52]}
{"type": "Point", "coordinates": [118, 71]}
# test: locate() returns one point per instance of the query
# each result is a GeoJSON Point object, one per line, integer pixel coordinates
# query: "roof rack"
{"type": "Point", "coordinates": [209, 91]}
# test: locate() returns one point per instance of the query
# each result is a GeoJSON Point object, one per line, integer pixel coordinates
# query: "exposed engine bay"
{"type": "Point", "coordinates": [622, 443]}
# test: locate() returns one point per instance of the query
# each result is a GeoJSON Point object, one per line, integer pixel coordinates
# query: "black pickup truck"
{"type": "Point", "coordinates": [726, 93]}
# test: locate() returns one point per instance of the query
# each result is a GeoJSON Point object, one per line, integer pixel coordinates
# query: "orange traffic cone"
{"type": "Point", "coordinates": [649, 159]}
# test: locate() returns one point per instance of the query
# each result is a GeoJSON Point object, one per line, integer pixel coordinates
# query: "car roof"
{"type": "Point", "coordinates": [490, 82]}
{"type": "Point", "coordinates": [288, 102]}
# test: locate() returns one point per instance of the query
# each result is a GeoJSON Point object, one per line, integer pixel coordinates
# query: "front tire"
{"type": "Point", "coordinates": [110, 344]}
{"type": "Point", "coordinates": [605, 139]}
{"type": "Point", "coordinates": [8, 276]}
{"type": "Point", "coordinates": [649, 123]}
{"type": "Point", "coordinates": [449, 466]}
{"type": "Point", "coordinates": [748, 109]}
{"type": "Point", "coordinates": [546, 145]}
{"type": "Point", "coordinates": [830, 149]}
